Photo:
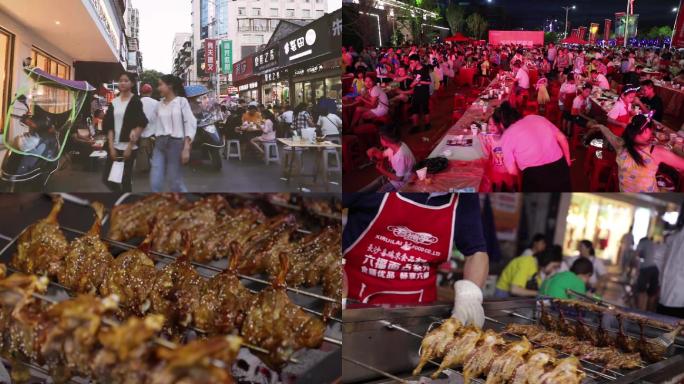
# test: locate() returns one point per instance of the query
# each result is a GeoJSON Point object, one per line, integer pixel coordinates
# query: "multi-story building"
{"type": "Point", "coordinates": [132, 22]}
{"type": "Point", "coordinates": [249, 24]}
{"type": "Point", "coordinates": [182, 55]}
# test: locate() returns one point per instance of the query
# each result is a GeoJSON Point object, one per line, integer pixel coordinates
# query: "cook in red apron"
{"type": "Point", "coordinates": [395, 259]}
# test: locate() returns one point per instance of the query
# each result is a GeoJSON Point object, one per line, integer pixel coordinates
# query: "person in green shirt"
{"type": "Point", "coordinates": [522, 275]}
{"type": "Point", "coordinates": [576, 279]}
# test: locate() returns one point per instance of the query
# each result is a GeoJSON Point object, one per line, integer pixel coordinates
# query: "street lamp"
{"type": "Point", "coordinates": [567, 9]}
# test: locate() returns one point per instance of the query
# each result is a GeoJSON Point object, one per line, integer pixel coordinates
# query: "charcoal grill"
{"type": "Point", "coordinates": [381, 344]}
{"type": "Point", "coordinates": [306, 366]}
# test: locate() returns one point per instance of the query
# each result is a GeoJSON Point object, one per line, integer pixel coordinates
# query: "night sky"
{"type": "Point", "coordinates": [531, 13]}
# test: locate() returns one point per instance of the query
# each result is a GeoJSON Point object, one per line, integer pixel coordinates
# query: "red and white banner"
{"type": "Point", "coordinates": [678, 36]}
{"type": "Point", "coordinates": [593, 31]}
{"type": "Point", "coordinates": [526, 38]}
{"type": "Point", "coordinates": [574, 32]}
{"type": "Point", "coordinates": [210, 56]}
{"type": "Point", "coordinates": [582, 33]}
{"type": "Point", "coordinates": [606, 29]}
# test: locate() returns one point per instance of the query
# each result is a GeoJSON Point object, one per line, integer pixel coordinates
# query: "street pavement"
{"type": "Point", "coordinates": [247, 175]}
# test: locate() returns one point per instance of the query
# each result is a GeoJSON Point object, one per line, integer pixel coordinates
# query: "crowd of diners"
{"type": "Point", "coordinates": [390, 93]}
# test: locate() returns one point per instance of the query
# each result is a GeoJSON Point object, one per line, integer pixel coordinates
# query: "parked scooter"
{"type": "Point", "coordinates": [208, 142]}
{"type": "Point", "coordinates": [39, 122]}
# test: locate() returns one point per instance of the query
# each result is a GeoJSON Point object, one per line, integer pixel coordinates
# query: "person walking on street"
{"type": "Point", "coordinates": [123, 123]}
{"type": "Point", "coordinates": [150, 106]}
{"type": "Point", "coordinates": [176, 127]}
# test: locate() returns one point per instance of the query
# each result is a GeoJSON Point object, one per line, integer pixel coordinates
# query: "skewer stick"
{"type": "Point", "coordinates": [376, 370]}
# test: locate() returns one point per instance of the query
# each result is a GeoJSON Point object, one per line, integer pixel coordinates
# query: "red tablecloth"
{"type": "Point", "coordinates": [673, 103]}
{"type": "Point", "coordinates": [465, 75]}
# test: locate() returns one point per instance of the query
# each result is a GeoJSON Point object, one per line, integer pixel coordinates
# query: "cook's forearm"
{"type": "Point", "coordinates": [476, 268]}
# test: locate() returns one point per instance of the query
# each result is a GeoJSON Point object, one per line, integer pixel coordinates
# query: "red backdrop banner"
{"type": "Point", "coordinates": [606, 29]}
{"type": "Point", "coordinates": [678, 37]}
{"type": "Point", "coordinates": [527, 38]}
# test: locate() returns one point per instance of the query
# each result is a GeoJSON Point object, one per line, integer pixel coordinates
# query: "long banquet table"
{"type": "Point", "coordinates": [466, 169]}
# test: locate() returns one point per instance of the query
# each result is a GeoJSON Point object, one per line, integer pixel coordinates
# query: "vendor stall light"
{"type": "Point", "coordinates": [435, 26]}
{"type": "Point", "coordinates": [57, 22]}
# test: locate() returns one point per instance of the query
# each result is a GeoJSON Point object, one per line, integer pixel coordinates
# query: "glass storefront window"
{"type": "Point", "coordinates": [5, 73]}
{"type": "Point", "coordinates": [299, 93]}
{"type": "Point", "coordinates": [333, 87]}
{"type": "Point", "coordinates": [318, 90]}
{"type": "Point", "coordinates": [307, 93]}
{"type": "Point", "coordinates": [599, 220]}
{"type": "Point", "coordinates": [50, 64]}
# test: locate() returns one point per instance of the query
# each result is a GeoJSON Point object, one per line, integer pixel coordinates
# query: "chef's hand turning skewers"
{"type": "Point", "coordinates": [218, 305]}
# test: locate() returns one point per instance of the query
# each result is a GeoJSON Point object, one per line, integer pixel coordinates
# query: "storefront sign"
{"type": "Point", "coordinates": [243, 69]}
{"type": "Point", "coordinates": [275, 76]}
{"type": "Point", "coordinates": [100, 9]}
{"type": "Point", "coordinates": [227, 56]}
{"type": "Point", "coordinates": [210, 56]}
{"type": "Point", "coordinates": [319, 38]}
{"type": "Point", "coordinates": [310, 70]}
{"type": "Point", "coordinates": [526, 38]}
{"type": "Point", "coordinates": [266, 59]}
{"type": "Point", "coordinates": [246, 87]}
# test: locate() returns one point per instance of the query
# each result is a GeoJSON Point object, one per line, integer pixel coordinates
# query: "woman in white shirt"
{"type": "Point", "coordinates": [267, 129]}
{"type": "Point", "coordinates": [176, 127]}
{"type": "Point", "coordinates": [330, 125]}
{"type": "Point", "coordinates": [123, 123]}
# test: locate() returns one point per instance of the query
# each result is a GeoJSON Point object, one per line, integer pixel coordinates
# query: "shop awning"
{"type": "Point", "coordinates": [74, 26]}
{"type": "Point", "coordinates": [41, 75]}
{"type": "Point", "coordinates": [458, 37]}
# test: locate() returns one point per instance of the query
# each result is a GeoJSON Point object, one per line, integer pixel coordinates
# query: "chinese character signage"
{"type": "Point", "coordinates": [265, 59]}
{"type": "Point", "coordinates": [227, 56]}
{"type": "Point", "coordinates": [321, 37]}
{"type": "Point", "coordinates": [243, 69]}
{"type": "Point", "coordinates": [275, 76]}
{"type": "Point", "coordinates": [210, 56]}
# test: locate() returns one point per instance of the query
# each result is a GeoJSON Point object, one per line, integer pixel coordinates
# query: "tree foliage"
{"type": "Point", "coordinates": [477, 25]}
{"type": "Point", "coordinates": [151, 77]}
{"type": "Point", "coordinates": [455, 17]}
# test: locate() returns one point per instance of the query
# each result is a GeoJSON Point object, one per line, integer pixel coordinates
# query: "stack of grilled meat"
{"type": "Point", "coordinates": [488, 354]}
{"type": "Point", "coordinates": [76, 337]}
{"type": "Point", "coordinates": [218, 305]}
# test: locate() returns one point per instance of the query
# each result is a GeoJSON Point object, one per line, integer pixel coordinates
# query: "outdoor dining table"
{"type": "Point", "coordinates": [466, 163]}
{"type": "Point", "coordinates": [303, 144]}
{"type": "Point", "coordinates": [673, 100]}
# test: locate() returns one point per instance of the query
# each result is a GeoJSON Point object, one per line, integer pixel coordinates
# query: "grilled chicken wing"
{"type": "Point", "coordinates": [171, 222]}
{"type": "Point", "coordinates": [198, 362]}
{"type": "Point", "coordinates": [503, 367]}
{"type": "Point", "coordinates": [127, 353]}
{"type": "Point", "coordinates": [435, 342]}
{"type": "Point", "coordinates": [20, 321]}
{"type": "Point", "coordinates": [224, 301]}
{"type": "Point", "coordinates": [479, 361]}
{"type": "Point", "coordinates": [278, 325]}
{"type": "Point", "coordinates": [332, 287]}
{"type": "Point", "coordinates": [214, 243]}
{"type": "Point", "coordinates": [87, 260]}
{"type": "Point", "coordinates": [265, 242]}
{"type": "Point", "coordinates": [538, 362]}
{"type": "Point", "coordinates": [176, 289]}
{"type": "Point", "coordinates": [566, 371]}
{"type": "Point", "coordinates": [133, 220]}
{"type": "Point", "coordinates": [69, 334]}
{"type": "Point", "coordinates": [42, 247]}
{"type": "Point", "coordinates": [459, 348]}
{"type": "Point", "coordinates": [129, 277]}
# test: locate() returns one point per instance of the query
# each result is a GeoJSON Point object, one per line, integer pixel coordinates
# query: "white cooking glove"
{"type": "Point", "coordinates": [468, 303]}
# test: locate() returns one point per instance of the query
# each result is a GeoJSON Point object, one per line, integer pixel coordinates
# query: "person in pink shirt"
{"type": "Point", "coordinates": [497, 173]}
{"type": "Point", "coordinates": [535, 147]}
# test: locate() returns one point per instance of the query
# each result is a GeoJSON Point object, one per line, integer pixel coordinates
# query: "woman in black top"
{"type": "Point", "coordinates": [123, 124]}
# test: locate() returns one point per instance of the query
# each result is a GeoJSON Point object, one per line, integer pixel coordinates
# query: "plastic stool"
{"type": "Point", "coordinates": [327, 168]}
{"type": "Point", "coordinates": [234, 144]}
{"type": "Point", "coordinates": [271, 156]}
